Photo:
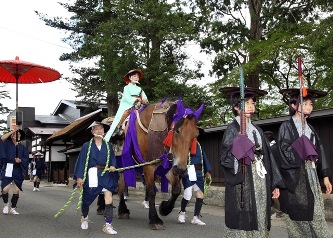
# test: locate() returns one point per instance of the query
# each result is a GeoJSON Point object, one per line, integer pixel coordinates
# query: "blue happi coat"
{"type": "Point", "coordinates": [19, 169]}
{"type": "Point", "coordinates": [196, 159]}
{"type": "Point", "coordinates": [108, 181]}
{"type": "Point", "coordinates": [2, 154]}
{"type": "Point", "coordinates": [40, 167]}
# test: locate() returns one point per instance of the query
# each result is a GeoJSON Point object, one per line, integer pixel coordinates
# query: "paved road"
{"type": "Point", "coordinates": [37, 210]}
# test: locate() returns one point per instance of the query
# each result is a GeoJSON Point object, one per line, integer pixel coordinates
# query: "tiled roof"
{"type": "Point", "coordinates": [73, 126]}
{"type": "Point", "coordinates": [47, 119]}
{"type": "Point", "coordinates": [43, 130]}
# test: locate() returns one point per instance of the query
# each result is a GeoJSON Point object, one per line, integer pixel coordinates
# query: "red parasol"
{"type": "Point", "coordinates": [22, 72]}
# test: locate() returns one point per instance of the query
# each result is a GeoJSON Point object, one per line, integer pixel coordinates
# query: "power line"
{"type": "Point", "coordinates": [34, 38]}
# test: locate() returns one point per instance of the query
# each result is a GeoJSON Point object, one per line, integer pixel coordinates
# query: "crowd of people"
{"type": "Point", "coordinates": [259, 170]}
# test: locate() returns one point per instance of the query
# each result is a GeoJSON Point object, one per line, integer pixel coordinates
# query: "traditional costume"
{"type": "Point", "coordinates": [199, 165]}
{"type": "Point", "coordinates": [92, 167]}
{"type": "Point", "coordinates": [302, 160]}
{"type": "Point", "coordinates": [38, 169]}
{"type": "Point", "coordinates": [2, 154]}
{"type": "Point", "coordinates": [248, 186]}
{"type": "Point", "coordinates": [129, 97]}
{"type": "Point", "coordinates": [18, 169]}
{"type": "Point", "coordinates": [12, 172]}
{"type": "Point", "coordinates": [97, 158]}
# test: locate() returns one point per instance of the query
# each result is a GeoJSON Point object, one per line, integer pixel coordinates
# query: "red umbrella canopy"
{"type": "Point", "coordinates": [22, 72]}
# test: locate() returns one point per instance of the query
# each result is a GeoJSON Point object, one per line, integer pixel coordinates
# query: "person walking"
{"type": "Point", "coordinates": [95, 173]}
{"type": "Point", "coordinates": [303, 163]}
{"type": "Point", "coordinates": [14, 168]}
{"type": "Point", "coordinates": [38, 169]}
{"type": "Point", "coordinates": [250, 172]}
{"type": "Point", "coordinates": [199, 169]}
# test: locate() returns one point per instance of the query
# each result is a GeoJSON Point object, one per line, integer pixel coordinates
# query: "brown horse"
{"type": "Point", "coordinates": [150, 127]}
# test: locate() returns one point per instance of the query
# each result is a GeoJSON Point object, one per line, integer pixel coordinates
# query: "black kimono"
{"type": "Point", "coordinates": [257, 191]}
{"type": "Point", "coordinates": [302, 199]}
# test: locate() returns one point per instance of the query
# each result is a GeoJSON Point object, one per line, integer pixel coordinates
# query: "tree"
{"type": "Point", "coordinates": [3, 110]}
{"type": "Point", "coordinates": [122, 35]}
{"type": "Point", "coordinates": [265, 38]}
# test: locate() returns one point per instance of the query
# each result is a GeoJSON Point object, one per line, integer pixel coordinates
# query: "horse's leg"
{"type": "Point", "coordinates": [155, 222]}
{"type": "Point", "coordinates": [123, 212]}
{"type": "Point", "coordinates": [167, 206]}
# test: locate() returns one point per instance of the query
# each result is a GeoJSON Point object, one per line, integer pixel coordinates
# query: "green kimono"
{"type": "Point", "coordinates": [131, 91]}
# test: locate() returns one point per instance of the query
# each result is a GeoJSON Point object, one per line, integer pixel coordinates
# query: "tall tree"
{"type": "Point", "coordinates": [121, 35]}
{"type": "Point", "coordinates": [3, 110]}
{"type": "Point", "coordinates": [265, 38]}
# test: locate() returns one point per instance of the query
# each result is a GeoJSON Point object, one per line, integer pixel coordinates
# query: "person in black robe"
{"type": "Point", "coordinates": [250, 172]}
{"type": "Point", "coordinates": [302, 163]}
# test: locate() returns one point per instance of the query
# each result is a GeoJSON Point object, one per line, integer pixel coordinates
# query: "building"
{"type": "Point", "coordinates": [39, 128]}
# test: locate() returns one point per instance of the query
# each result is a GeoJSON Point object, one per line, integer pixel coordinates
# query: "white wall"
{"type": "Point", "coordinates": [54, 155]}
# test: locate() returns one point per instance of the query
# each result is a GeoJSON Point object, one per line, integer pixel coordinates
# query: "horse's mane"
{"type": "Point", "coordinates": [170, 113]}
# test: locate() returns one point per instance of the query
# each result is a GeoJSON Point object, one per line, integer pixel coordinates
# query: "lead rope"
{"type": "Point", "coordinates": [76, 188]}
{"type": "Point", "coordinates": [105, 169]}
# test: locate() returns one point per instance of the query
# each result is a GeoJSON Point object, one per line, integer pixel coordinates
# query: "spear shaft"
{"type": "Point", "coordinates": [242, 127]}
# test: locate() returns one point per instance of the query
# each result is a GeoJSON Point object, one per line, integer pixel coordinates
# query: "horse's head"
{"type": "Point", "coordinates": [185, 132]}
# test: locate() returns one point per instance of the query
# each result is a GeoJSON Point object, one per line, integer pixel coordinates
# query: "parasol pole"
{"type": "Point", "coordinates": [16, 111]}
{"type": "Point", "coordinates": [242, 127]}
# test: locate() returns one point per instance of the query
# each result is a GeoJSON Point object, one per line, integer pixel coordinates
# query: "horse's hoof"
{"type": "Point", "coordinates": [157, 226]}
{"type": "Point", "coordinates": [165, 208]}
{"type": "Point", "coordinates": [123, 216]}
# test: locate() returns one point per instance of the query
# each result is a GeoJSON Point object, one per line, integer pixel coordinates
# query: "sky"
{"type": "Point", "coordinates": [24, 35]}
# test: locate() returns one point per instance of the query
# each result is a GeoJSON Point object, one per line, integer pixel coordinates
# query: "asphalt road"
{"type": "Point", "coordinates": [37, 210]}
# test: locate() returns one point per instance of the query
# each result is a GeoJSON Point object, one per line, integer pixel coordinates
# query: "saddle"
{"type": "Point", "coordinates": [157, 123]}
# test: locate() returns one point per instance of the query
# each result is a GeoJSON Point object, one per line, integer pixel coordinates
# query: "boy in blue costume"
{"type": "Point", "coordinates": [14, 167]}
{"type": "Point", "coordinates": [38, 168]}
{"type": "Point", "coordinates": [95, 173]}
{"type": "Point", "coordinates": [202, 170]}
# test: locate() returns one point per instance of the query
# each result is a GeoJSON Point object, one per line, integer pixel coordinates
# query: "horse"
{"type": "Point", "coordinates": [169, 129]}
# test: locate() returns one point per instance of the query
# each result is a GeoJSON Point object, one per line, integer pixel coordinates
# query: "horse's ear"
{"type": "Point", "coordinates": [198, 112]}
{"type": "Point", "coordinates": [180, 107]}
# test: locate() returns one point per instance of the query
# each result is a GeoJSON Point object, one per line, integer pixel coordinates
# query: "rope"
{"type": "Point", "coordinates": [67, 203]}
{"type": "Point", "coordinates": [107, 158]}
{"type": "Point", "coordinates": [138, 165]}
{"type": "Point", "coordinates": [76, 188]}
{"type": "Point", "coordinates": [84, 174]}
{"type": "Point", "coordinates": [84, 177]}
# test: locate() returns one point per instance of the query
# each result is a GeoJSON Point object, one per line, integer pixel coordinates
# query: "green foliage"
{"type": "Point", "coordinates": [3, 110]}
{"type": "Point", "coordinates": [122, 35]}
{"type": "Point", "coordinates": [265, 38]}
{"type": "Point", "coordinates": [267, 43]}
